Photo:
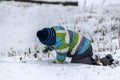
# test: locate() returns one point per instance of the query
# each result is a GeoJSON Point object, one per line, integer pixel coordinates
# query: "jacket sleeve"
{"type": "Point", "coordinates": [62, 45]}
{"type": "Point", "coordinates": [61, 49]}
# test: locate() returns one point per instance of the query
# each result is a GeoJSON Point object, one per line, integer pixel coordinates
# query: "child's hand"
{"type": "Point", "coordinates": [47, 48]}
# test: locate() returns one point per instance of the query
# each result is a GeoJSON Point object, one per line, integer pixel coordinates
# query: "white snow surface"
{"type": "Point", "coordinates": [19, 23]}
{"type": "Point", "coordinates": [10, 69]}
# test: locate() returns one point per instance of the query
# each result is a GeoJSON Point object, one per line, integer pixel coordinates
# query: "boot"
{"type": "Point", "coordinates": [107, 60]}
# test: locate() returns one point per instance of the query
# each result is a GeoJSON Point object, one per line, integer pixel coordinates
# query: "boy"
{"type": "Point", "coordinates": [68, 43]}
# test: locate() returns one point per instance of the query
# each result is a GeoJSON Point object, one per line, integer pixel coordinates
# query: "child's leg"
{"type": "Point", "coordinates": [77, 59]}
{"type": "Point", "coordinates": [85, 58]}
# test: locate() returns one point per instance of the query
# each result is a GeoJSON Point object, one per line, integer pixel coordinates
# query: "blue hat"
{"type": "Point", "coordinates": [47, 36]}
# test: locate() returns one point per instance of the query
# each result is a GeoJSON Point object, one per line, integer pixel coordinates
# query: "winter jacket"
{"type": "Point", "coordinates": [69, 43]}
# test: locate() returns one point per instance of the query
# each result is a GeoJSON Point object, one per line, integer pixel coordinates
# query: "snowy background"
{"type": "Point", "coordinates": [19, 23]}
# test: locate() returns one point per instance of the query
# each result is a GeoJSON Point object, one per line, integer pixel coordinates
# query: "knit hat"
{"type": "Point", "coordinates": [47, 36]}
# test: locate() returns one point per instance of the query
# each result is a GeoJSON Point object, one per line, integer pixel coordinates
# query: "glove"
{"type": "Point", "coordinates": [47, 48]}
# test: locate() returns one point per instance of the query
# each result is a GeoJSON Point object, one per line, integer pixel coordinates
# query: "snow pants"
{"type": "Point", "coordinates": [85, 58]}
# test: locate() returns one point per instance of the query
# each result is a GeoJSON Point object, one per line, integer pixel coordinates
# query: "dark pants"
{"type": "Point", "coordinates": [85, 58]}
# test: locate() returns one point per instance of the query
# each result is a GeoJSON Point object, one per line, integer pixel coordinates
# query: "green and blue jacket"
{"type": "Point", "coordinates": [69, 43]}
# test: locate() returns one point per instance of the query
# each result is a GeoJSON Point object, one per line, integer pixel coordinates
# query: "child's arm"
{"type": "Point", "coordinates": [61, 50]}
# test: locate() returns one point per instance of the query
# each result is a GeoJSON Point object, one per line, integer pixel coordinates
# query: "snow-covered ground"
{"type": "Point", "coordinates": [10, 69]}
{"type": "Point", "coordinates": [19, 23]}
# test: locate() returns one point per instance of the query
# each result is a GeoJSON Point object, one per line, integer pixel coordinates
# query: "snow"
{"type": "Point", "coordinates": [37, 70]}
{"type": "Point", "coordinates": [19, 23]}
{"type": "Point", "coordinates": [98, 2]}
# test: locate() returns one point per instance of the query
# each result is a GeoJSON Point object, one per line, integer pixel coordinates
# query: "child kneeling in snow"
{"type": "Point", "coordinates": [68, 43]}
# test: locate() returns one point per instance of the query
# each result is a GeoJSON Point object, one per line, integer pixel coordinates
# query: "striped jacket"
{"type": "Point", "coordinates": [69, 43]}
